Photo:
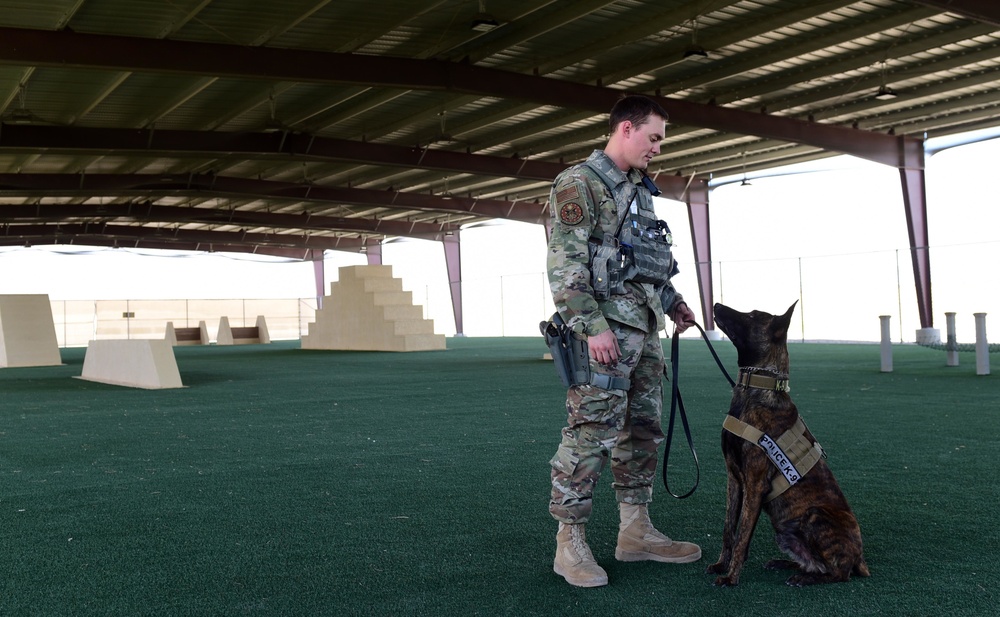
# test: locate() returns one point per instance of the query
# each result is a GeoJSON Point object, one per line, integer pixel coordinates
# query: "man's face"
{"type": "Point", "coordinates": [642, 142]}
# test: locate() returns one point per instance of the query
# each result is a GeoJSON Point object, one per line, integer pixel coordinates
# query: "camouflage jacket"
{"type": "Point", "coordinates": [581, 208]}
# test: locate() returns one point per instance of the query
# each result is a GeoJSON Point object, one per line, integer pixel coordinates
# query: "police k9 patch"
{"type": "Point", "coordinates": [570, 214]}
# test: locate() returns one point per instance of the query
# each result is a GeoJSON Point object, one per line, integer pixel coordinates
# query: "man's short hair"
{"type": "Point", "coordinates": [636, 109]}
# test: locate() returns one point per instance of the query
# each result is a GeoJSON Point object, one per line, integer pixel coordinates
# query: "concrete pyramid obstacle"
{"type": "Point", "coordinates": [27, 331]}
{"type": "Point", "coordinates": [367, 310]}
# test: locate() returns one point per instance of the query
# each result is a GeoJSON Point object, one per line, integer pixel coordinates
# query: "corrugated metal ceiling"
{"type": "Point", "coordinates": [344, 150]}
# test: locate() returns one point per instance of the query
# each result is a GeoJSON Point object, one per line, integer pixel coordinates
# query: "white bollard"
{"type": "Point", "coordinates": [886, 346]}
{"type": "Point", "coordinates": [951, 351]}
{"type": "Point", "coordinates": [982, 347]}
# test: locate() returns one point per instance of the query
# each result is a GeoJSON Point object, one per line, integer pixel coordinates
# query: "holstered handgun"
{"type": "Point", "coordinates": [570, 353]}
{"type": "Point", "coordinates": [571, 356]}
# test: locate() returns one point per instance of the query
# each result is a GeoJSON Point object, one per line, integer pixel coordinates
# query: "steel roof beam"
{"type": "Point", "coordinates": [276, 146]}
{"type": "Point", "coordinates": [63, 240]}
{"type": "Point", "coordinates": [986, 11]}
{"type": "Point", "coordinates": [150, 213]}
{"type": "Point", "coordinates": [207, 185]}
{"type": "Point", "coordinates": [126, 233]}
{"type": "Point", "coordinates": [71, 49]}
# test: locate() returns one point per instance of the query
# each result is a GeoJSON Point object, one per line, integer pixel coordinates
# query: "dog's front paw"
{"type": "Point", "coordinates": [796, 580]}
{"type": "Point", "coordinates": [717, 568]}
{"type": "Point", "coordinates": [781, 564]}
{"type": "Point", "coordinates": [727, 581]}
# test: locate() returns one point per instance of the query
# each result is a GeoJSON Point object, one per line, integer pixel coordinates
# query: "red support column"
{"type": "Point", "coordinates": [374, 253]}
{"type": "Point", "coordinates": [912, 178]}
{"type": "Point", "coordinates": [453, 260]}
{"type": "Point", "coordinates": [319, 275]}
{"type": "Point", "coordinates": [697, 203]}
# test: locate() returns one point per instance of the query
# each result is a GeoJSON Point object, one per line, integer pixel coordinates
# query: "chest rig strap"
{"type": "Point", "coordinates": [792, 453]}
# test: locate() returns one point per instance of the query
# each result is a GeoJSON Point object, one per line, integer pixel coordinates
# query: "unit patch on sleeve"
{"type": "Point", "coordinates": [570, 213]}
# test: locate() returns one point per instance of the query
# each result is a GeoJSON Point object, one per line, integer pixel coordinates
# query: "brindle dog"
{"type": "Point", "coordinates": [811, 519]}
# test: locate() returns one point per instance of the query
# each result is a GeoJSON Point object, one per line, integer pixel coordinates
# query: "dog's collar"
{"type": "Point", "coordinates": [750, 377]}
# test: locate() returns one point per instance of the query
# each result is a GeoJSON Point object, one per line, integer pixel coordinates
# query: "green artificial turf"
{"type": "Point", "coordinates": [291, 482]}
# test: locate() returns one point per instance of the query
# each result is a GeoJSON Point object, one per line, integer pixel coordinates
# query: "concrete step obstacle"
{"type": "Point", "coordinates": [367, 310]}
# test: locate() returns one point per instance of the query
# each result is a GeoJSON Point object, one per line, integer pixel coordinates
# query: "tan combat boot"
{"type": "Point", "coordinates": [638, 540]}
{"type": "Point", "coordinates": [574, 561]}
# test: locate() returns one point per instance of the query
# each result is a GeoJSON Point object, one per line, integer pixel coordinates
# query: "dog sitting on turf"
{"type": "Point", "coordinates": [774, 464]}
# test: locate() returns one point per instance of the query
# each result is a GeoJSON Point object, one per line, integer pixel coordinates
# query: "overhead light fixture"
{"type": "Point", "coordinates": [272, 124]}
{"type": "Point", "coordinates": [694, 50]}
{"type": "Point", "coordinates": [19, 116]}
{"type": "Point", "coordinates": [483, 21]}
{"type": "Point", "coordinates": [885, 93]}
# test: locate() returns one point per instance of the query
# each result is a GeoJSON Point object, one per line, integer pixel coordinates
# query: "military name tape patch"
{"type": "Point", "coordinates": [571, 213]}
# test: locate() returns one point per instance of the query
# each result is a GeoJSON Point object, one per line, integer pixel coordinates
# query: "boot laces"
{"type": "Point", "coordinates": [579, 543]}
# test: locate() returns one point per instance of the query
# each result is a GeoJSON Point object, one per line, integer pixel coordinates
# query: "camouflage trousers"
{"type": "Point", "coordinates": [600, 423]}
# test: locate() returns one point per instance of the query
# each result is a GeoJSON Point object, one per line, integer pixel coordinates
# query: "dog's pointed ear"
{"type": "Point", "coordinates": [791, 309]}
{"type": "Point", "coordinates": [781, 322]}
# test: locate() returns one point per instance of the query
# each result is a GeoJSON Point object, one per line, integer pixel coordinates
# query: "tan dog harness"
{"type": "Point", "coordinates": [792, 453]}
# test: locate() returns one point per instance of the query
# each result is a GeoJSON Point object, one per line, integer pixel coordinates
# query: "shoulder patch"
{"type": "Point", "coordinates": [567, 194]}
{"type": "Point", "coordinates": [571, 213]}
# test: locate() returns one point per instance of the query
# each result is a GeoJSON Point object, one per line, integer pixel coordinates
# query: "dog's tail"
{"type": "Point", "coordinates": [861, 568]}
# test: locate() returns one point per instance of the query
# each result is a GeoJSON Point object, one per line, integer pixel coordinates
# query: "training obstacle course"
{"type": "Point", "coordinates": [186, 336]}
{"type": "Point", "coordinates": [136, 363]}
{"type": "Point", "coordinates": [951, 347]}
{"type": "Point", "coordinates": [27, 331]}
{"type": "Point", "coordinates": [367, 310]}
{"type": "Point", "coordinates": [249, 335]}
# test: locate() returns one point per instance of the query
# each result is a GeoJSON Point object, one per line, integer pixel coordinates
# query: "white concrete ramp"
{"type": "Point", "coordinates": [136, 363]}
{"type": "Point", "coordinates": [27, 331]}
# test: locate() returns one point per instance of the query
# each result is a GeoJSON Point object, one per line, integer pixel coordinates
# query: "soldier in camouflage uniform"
{"type": "Point", "coordinates": [597, 207]}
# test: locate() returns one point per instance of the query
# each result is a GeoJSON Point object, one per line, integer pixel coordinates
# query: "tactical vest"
{"type": "Point", "coordinates": [638, 251]}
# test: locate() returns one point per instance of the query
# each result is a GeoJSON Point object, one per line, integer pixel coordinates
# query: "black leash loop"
{"type": "Point", "coordinates": [677, 403]}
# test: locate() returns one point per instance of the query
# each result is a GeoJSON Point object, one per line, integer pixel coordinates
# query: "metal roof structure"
{"type": "Point", "coordinates": [294, 127]}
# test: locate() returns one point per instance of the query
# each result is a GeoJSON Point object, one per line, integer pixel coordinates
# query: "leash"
{"type": "Point", "coordinates": [677, 403]}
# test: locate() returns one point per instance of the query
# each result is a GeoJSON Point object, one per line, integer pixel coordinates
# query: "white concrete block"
{"type": "Point", "coordinates": [136, 363]}
{"type": "Point", "coordinates": [27, 331]}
